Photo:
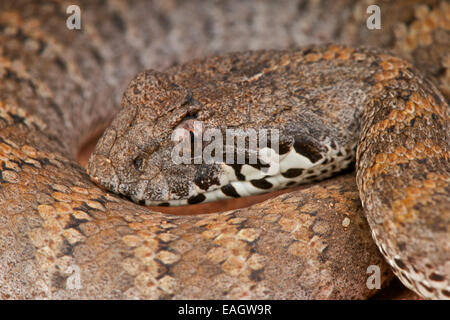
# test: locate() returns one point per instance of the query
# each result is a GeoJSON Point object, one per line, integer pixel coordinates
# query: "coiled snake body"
{"type": "Point", "coordinates": [61, 236]}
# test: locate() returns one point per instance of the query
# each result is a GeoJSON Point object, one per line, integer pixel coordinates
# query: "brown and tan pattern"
{"type": "Point", "coordinates": [57, 86]}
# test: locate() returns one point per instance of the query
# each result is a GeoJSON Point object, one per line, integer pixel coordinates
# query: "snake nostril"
{"type": "Point", "coordinates": [139, 163]}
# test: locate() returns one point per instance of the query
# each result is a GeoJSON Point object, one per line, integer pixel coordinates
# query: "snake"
{"type": "Point", "coordinates": [67, 232]}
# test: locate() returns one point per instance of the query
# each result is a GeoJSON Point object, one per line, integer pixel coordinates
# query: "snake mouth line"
{"type": "Point", "coordinates": [88, 147]}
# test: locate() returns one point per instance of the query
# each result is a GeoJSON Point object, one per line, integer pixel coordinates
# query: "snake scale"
{"type": "Point", "coordinates": [59, 86]}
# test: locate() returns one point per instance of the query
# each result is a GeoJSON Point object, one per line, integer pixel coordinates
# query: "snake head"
{"type": "Point", "coordinates": [137, 155]}
{"type": "Point", "coordinates": [134, 156]}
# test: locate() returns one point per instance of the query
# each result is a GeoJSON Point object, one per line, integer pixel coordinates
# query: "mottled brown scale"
{"type": "Point", "coordinates": [246, 90]}
{"type": "Point", "coordinates": [57, 86]}
{"type": "Point", "coordinates": [404, 183]}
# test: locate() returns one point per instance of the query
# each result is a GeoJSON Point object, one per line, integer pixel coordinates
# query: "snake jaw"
{"type": "Point", "coordinates": [61, 237]}
{"type": "Point", "coordinates": [103, 173]}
